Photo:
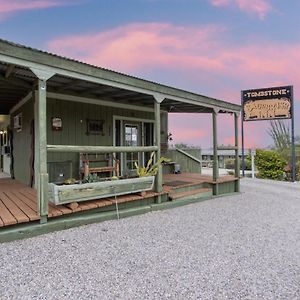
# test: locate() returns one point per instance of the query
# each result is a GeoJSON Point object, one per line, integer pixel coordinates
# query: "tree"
{"type": "Point", "coordinates": [184, 146]}
{"type": "Point", "coordinates": [181, 146]}
{"type": "Point", "coordinates": [280, 133]}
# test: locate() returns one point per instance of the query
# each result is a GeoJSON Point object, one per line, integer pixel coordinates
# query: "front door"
{"type": "Point", "coordinates": [132, 133]}
{"type": "Point", "coordinates": [132, 138]}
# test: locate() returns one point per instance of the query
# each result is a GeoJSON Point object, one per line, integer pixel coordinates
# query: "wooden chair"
{"type": "Point", "coordinates": [88, 162]}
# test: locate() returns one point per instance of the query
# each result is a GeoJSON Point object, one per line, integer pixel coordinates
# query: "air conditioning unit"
{"type": "Point", "coordinates": [59, 171]}
{"type": "Point", "coordinates": [5, 150]}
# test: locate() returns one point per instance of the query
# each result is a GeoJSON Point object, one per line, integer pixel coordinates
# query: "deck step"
{"type": "Point", "coordinates": [193, 194]}
{"type": "Point", "coordinates": [186, 187]}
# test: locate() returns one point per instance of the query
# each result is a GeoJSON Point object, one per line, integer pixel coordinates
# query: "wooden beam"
{"type": "Point", "coordinates": [118, 93]}
{"type": "Point", "coordinates": [99, 149]}
{"type": "Point", "coordinates": [41, 137]}
{"type": "Point", "coordinates": [34, 95]}
{"type": "Point", "coordinates": [9, 70]}
{"type": "Point", "coordinates": [68, 85]}
{"type": "Point", "coordinates": [16, 82]}
{"type": "Point", "coordinates": [9, 88]}
{"type": "Point", "coordinates": [101, 102]}
{"type": "Point", "coordinates": [22, 102]}
{"type": "Point", "coordinates": [158, 179]}
{"type": "Point", "coordinates": [42, 73]}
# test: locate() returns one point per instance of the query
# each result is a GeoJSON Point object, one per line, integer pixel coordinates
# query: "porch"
{"type": "Point", "coordinates": [18, 202]}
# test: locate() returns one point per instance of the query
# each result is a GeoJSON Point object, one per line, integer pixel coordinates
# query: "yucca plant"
{"type": "Point", "coordinates": [91, 178]}
{"type": "Point", "coordinates": [150, 169]}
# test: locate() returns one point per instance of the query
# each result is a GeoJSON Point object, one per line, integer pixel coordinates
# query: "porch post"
{"type": "Point", "coordinates": [40, 118]}
{"type": "Point", "coordinates": [41, 151]}
{"type": "Point", "coordinates": [215, 151]}
{"type": "Point", "coordinates": [158, 179]}
{"type": "Point", "coordinates": [36, 141]}
{"type": "Point", "coordinates": [237, 159]}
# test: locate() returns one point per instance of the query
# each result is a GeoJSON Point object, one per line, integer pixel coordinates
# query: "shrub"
{"type": "Point", "coordinates": [248, 165]}
{"type": "Point", "coordinates": [270, 164]}
{"type": "Point", "coordinates": [229, 163]}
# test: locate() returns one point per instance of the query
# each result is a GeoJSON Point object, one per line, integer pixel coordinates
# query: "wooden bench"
{"type": "Point", "coordinates": [88, 162]}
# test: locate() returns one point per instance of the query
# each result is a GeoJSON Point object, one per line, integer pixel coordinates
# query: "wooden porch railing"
{"type": "Point", "coordinates": [100, 149]}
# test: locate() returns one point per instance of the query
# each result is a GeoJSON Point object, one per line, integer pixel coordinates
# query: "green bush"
{"type": "Point", "coordinates": [270, 164]}
{"type": "Point", "coordinates": [248, 165]}
{"type": "Point", "coordinates": [229, 163]}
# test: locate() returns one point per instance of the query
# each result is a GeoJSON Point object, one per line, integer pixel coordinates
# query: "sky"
{"type": "Point", "coordinates": [212, 47]}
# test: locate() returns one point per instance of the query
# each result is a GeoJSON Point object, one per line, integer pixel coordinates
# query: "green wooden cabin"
{"type": "Point", "coordinates": [61, 109]}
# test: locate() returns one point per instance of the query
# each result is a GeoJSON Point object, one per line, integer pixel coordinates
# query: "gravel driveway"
{"type": "Point", "coordinates": [238, 247]}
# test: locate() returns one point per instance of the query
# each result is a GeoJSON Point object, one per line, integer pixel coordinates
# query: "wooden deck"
{"type": "Point", "coordinates": [186, 179]}
{"type": "Point", "coordinates": [18, 202]}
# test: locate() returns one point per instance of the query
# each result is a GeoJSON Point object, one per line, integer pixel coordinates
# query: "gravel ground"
{"type": "Point", "coordinates": [238, 247]}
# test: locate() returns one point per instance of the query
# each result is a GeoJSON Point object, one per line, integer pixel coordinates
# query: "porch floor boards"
{"type": "Point", "coordinates": [183, 180]}
{"type": "Point", "coordinates": [18, 202]}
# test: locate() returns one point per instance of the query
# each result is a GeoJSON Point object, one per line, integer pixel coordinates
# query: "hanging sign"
{"type": "Point", "coordinates": [267, 103]}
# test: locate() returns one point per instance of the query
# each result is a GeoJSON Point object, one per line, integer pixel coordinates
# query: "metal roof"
{"type": "Point", "coordinates": [210, 152]}
{"type": "Point", "coordinates": [77, 78]}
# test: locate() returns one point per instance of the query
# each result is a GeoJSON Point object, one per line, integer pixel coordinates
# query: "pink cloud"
{"type": "Point", "coordinates": [198, 54]}
{"type": "Point", "coordinates": [220, 2]}
{"type": "Point", "coordinates": [195, 56]}
{"type": "Point", "coordinates": [258, 7]}
{"type": "Point", "coordinates": [138, 46]}
{"type": "Point", "coordinates": [12, 6]}
{"type": "Point", "coordinates": [196, 132]}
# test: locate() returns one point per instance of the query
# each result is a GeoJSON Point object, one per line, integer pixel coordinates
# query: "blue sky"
{"type": "Point", "coordinates": [213, 47]}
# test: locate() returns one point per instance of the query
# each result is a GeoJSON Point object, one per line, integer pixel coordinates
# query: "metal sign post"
{"type": "Point", "coordinates": [242, 130]}
{"type": "Point", "coordinates": [293, 160]}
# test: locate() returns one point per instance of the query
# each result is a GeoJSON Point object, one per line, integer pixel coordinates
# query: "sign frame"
{"type": "Point", "coordinates": [265, 94]}
{"type": "Point", "coordinates": [264, 104]}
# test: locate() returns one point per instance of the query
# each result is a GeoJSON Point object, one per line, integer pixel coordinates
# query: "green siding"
{"type": "Point", "coordinates": [73, 115]}
{"type": "Point", "coordinates": [186, 163]}
{"type": "Point", "coordinates": [22, 144]}
{"type": "Point", "coordinates": [227, 187]}
{"type": "Point", "coordinates": [164, 128]}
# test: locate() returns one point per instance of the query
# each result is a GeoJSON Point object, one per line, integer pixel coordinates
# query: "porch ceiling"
{"type": "Point", "coordinates": [16, 82]}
